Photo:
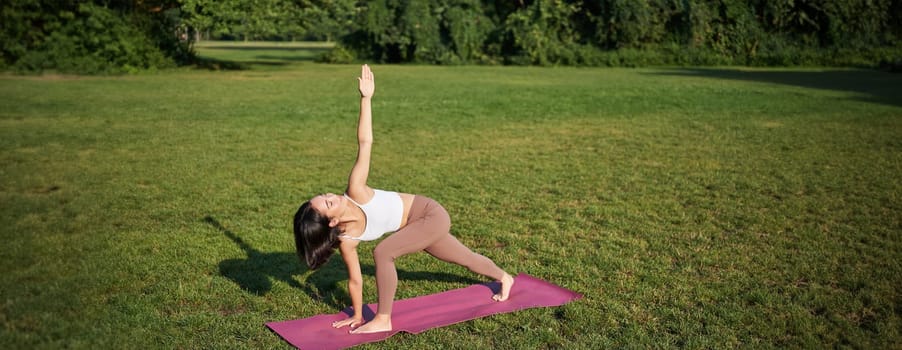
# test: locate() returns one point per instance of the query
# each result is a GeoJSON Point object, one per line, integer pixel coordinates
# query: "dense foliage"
{"type": "Point", "coordinates": [91, 37]}
{"type": "Point", "coordinates": [319, 20]}
{"type": "Point", "coordinates": [121, 35]}
{"type": "Point", "coordinates": [629, 32]}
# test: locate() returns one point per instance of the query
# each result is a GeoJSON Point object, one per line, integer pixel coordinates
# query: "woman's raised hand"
{"type": "Point", "coordinates": [366, 82]}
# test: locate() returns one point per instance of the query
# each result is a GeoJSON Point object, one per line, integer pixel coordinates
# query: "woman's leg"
{"type": "Point", "coordinates": [427, 223]}
{"type": "Point", "coordinates": [424, 231]}
{"type": "Point", "coordinates": [451, 250]}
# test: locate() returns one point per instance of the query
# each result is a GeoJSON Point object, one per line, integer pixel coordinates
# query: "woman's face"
{"type": "Point", "coordinates": [329, 204]}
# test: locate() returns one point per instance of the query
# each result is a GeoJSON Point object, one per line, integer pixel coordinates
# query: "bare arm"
{"type": "Point", "coordinates": [357, 187]}
{"type": "Point", "coordinates": [348, 250]}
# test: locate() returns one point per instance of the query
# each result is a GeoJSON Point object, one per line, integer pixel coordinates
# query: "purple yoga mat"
{"type": "Point", "coordinates": [418, 314]}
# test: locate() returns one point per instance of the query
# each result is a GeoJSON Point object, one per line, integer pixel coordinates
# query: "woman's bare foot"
{"type": "Point", "coordinates": [381, 323]}
{"type": "Point", "coordinates": [506, 283]}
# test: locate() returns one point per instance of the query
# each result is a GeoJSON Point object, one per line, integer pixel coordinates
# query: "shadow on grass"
{"type": "Point", "coordinates": [256, 272]}
{"type": "Point", "coordinates": [216, 65]}
{"type": "Point", "coordinates": [872, 86]}
{"type": "Point", "coordinates": [286, 59]}
{"type": "Point", "coordinates": [269, 55]}
{"type": "Point", "coordinates": [314, 50]}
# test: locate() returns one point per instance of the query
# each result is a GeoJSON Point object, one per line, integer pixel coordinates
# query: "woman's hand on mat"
{"type": "Point", "coordinates": [366, 82]}
{"type": "Point", "coordinates": [350, 321]}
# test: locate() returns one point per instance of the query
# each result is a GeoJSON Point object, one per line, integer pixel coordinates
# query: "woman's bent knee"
{"type": "Point", "coordinates": [381, 254]}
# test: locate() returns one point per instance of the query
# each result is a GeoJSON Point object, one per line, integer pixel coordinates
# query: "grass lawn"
{"type": "Point", "coordinates": [696, 208]}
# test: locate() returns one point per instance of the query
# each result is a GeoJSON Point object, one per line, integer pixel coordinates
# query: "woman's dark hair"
{"type": "Point", "coordinates": [314, 239]}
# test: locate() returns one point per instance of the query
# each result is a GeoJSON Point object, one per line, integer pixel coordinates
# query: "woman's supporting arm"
{"type": "Point", "coordinates": [348, 250]}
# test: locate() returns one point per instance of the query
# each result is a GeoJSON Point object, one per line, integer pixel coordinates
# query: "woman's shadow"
{"type": "Point", "coordinates": [256, 272]}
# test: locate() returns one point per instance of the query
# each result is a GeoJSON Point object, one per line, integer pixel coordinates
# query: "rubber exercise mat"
{"type": "Point", "coordinates": [418, 314]}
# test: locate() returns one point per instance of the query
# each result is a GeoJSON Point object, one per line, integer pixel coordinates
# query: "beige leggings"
{"type": "Point", "coordinates": [428, 228]}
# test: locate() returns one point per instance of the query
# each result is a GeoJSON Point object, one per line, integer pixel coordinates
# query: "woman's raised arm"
{"type": "Point", "coordinates": [357, 187]}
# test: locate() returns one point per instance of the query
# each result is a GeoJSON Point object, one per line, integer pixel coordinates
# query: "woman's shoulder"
{"type": "Point", "coordinates": [360, 195]}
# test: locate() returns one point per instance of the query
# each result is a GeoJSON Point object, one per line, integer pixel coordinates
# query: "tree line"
{"type": "Point", "coordinates": [123, 35]}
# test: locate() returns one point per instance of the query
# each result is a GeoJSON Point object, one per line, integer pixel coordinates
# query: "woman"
{"type": "Point", "coordinates": [417, 223]}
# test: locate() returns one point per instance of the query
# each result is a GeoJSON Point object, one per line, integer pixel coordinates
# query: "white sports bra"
{"type": "Point", "coordinates": [383, 214]}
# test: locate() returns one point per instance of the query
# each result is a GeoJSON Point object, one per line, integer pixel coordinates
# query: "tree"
{"type": "Point", "coordinates": [327, 19]}
{"type": "Point", "coordinates": [88, 37]}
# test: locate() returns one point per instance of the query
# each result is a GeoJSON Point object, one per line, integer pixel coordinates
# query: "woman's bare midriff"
{"type": "Point", "coordinates": [407, 199]}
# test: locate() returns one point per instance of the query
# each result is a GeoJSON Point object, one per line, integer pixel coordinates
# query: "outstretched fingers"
{"type": "Point", "coordinates": [365, 81]}
{"type": "Point", "coordinates": [349, 322]}
{"type": "Point", "coordinates": [366, 72]}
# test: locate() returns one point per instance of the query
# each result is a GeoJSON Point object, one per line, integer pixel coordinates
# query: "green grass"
{"type": "Point", "coordinates": [695, 208]}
